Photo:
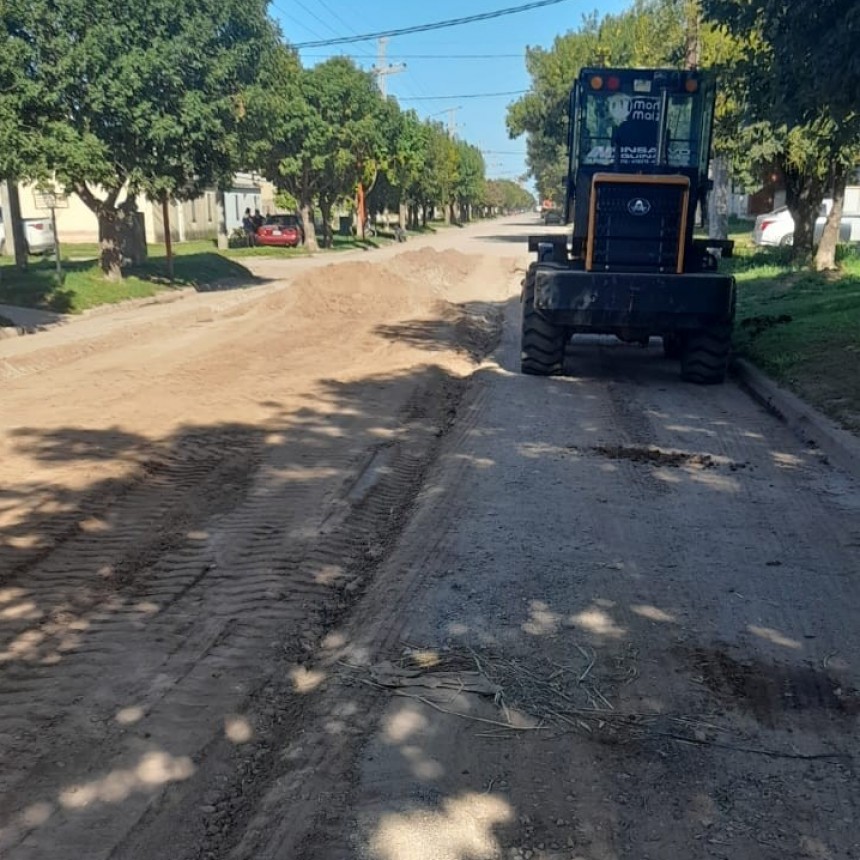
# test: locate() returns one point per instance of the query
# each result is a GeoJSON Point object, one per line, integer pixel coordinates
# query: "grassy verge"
{"type": "Point", "coordinates": [802, 327]}
{"type": "Point", "coordinates": [85, 287]}
{"type": "Point", "coordinates": [196, 264]}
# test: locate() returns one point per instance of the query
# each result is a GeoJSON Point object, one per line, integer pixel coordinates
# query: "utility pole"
{"type": "Point", "coordinates": [693, 46]}
{"type": "Point", "coordinates": [452, 121]}
{"type": "Point", "coordinates": [381, 71]}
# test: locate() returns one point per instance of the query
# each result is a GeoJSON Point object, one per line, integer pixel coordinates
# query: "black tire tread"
{"type": "Point", "coordinates": [705, 355]}
{"type": "Point", "coordinates": [542, 343]}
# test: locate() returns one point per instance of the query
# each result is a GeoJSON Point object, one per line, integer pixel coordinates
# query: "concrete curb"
{"type": "Point", "coordinates": [841, 448]}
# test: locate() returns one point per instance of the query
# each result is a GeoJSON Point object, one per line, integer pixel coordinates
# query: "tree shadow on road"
{"type": "Point", "coordinates": [186, 584]}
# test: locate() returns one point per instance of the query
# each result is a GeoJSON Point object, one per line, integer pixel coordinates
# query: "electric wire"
{"type": "Point", "coordinates": [436, 25]}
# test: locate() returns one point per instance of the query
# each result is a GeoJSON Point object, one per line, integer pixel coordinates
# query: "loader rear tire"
{"type": "Point", "coordinates": [705, 355]}
{"type": "Point", "coordinates": [542, 344]}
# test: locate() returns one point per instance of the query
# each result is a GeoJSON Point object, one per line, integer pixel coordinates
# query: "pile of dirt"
{"type": "Point", "coordinates": [413, 281]}
{"type": "Point", "coordinates": [435, 268]}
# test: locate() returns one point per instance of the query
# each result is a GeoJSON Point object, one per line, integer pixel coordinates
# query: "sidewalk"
{"type": "Point", "coordinates": [29, 319]}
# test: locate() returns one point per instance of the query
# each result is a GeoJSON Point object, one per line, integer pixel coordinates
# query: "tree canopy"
{"type": "Point", "coordinates": [795, 83]}
{"type": "Point", "coordinates": [173, 96]}
{"type": "Point", "coordinates": [113, 105]}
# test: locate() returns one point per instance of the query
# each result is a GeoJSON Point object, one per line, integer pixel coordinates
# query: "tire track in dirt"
{"type": "Point", "coordinates": [320, 762]}
{"type": "Point", "coordinates": [699, 514]}
{"type": "Point", "coordinates": [245, 590]}
{"type": "Point", "coordinates": [355, 546]}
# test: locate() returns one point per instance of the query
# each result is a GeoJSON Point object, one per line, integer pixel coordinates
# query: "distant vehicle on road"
{"type": "Point", "coordinates": [553, 216]}
{"type": "Point", "coordinates": [281, 230]}
{"type": "Point", "coordinates": [38, 234]}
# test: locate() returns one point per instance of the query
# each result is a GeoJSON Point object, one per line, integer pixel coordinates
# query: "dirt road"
{"type": "Point", "coordinates": [309, 571]}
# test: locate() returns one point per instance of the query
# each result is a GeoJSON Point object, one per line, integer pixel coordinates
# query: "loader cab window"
{"type": "Point", "coordinates": [624, 128]}
{"type": "Point", "coordinates": [682, 143]}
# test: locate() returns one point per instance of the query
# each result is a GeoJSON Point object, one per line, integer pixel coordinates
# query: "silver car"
{"type": "Point", "coordinates": [38, 234]}
{"type": "Point", "coordinates": [777, 228]}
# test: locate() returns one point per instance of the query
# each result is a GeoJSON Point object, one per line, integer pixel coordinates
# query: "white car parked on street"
{"type": "Point", "coordinates": [38, 233]}
{"type": "Point", "coordinates": [776, 229]}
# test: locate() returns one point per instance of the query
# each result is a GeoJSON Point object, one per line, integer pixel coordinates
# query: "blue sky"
{"type": "Point", "coordinates": [481, 121]}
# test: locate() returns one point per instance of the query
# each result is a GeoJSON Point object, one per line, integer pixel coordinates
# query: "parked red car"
{"type": "Point", "coordinates": [283, 230]}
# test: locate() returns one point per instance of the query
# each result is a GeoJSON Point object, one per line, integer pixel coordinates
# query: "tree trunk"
{"type": "Point", "coordinates": [307, 212]}
{"type": "Point", "coordinates": [360, 210]}
{"type": "Point", "coordinates": [122, 235]}
{"type": "Point", "coordinates": [168, 239]}
{"type": "Point", "coordinates": [325, 210]}
{"type": "Point", "coordinates": [718, 206]}
{"type": "Point", "coordinates": [403, 218]}
{"type": "Point", "coordinates": [424, 216]}
{"type": "Point", "coordinates": [825, 254]}
{"type": "Point", "coordinates": [803, 195]}
{"type": "Point", "coordinates": [221, 213]}
{"type": "Point", "coordinates": [132, 233]}
{"type": "Point", "coordinates": [16, 239]}
{"type": "Point", "coordinates": [110, 244]}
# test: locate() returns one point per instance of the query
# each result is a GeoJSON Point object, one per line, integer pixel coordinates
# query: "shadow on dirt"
{"type": "Point", "coordinates": [226, 561]}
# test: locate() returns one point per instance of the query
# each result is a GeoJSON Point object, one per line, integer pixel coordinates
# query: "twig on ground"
{"type": "Point", "coordinates": [755, 750]}
{"type": "Point", "coordinates": [442, 710]}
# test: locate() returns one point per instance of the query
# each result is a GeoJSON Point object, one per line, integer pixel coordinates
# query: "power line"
{"type": "Point", "coordinates": [423, 28]}
{"type": "Point", "coordinates": [429, 56]}
{"type": "Point", "coordinates": [316, 17]}
{"type": "Point", "coordinates": [467, 96]}
{"type": "Point", "coordinates": [294, 20]}
{"type": "Point", "coordinates": [335, 15]}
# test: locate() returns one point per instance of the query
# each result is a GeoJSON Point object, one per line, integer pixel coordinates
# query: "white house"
{"type": "Point", "coordinates": [191, 219]}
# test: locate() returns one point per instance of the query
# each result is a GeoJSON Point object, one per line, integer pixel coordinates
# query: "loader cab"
{"type": "Point", "coordinates": [644, 137]}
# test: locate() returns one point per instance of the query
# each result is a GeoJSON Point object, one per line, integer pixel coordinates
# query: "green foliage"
{"type": "Point", "coordinates": [505, 195]}
{"type": "Point", "coordinates": [802, 328]}
{"type": "Point", "coordinates": [167, 97]}
{"type": "Point", "coordinates": [794, 85]}
{"type": "Point", "coordinates": [142, 100]}
{"type": "Point", "coordinates": [650, 33]}
{"type": "Point", "coordinates": [146, 98]}
{"type": "Point", "coordinates": [328, 128]}
{"type": "Point", "coordinates": [197, 265]}
{"type": "Point", "coordinates": [469, 185]}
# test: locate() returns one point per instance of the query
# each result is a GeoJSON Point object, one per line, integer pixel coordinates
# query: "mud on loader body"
{"type": "Point", "coordinates": [639, 142]}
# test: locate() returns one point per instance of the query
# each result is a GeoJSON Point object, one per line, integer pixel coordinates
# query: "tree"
{"type": "Point", "coordinates": [505, 196]}
{"type": "Point", "coordinates": [650, 33]}
{"type": "Point", "coordinates": [439, 181]}
{"type": "Point", "coordinates": [321, 136]}
{"type": "Point", "coordinates": [408, 141]}
{"type": "Point", "coordinates": [798, 81]}
{"type": "Point", "coordinates": [469, 186]}
{"type": "Point", "coordinates": [147, 101]}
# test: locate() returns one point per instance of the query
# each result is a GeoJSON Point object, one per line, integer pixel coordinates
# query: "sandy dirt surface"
{"type": "Point", "coordinates": [310, 571]}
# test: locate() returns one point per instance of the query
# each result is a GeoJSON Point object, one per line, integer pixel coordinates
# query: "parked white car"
{"type": "Point", "coordinates": [777, 228]}
{"type": "Point", "coordinates": [774, 228]}
{"type": "Point", "coordinates": [38, 233]}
